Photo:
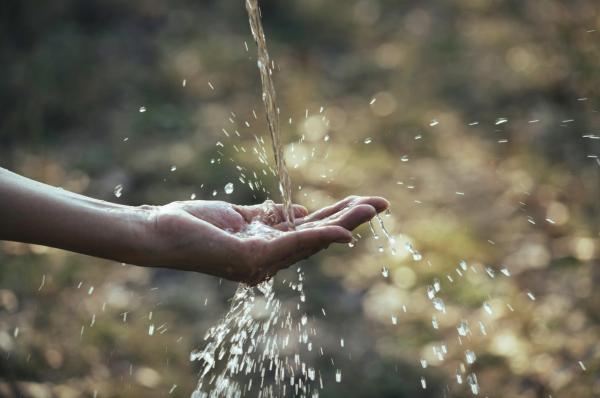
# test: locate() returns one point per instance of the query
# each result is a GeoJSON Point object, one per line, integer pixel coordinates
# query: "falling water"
{"type": "Point", "coordinates": [256, 349]}
{"type": "Point", "coordinates": [265, 67]}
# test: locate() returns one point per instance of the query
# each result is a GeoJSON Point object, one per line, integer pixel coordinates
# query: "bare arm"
{"type": "Point", "coordinates": [37, 213]}
{"type": "Point", "coordinates": [203, 236]}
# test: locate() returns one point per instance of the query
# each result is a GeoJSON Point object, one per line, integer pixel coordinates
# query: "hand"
{"type": "Point", "coordinates": [249, 243]}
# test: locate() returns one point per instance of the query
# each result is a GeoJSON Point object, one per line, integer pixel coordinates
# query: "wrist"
{"type": "Point", "coordinates": [142, 241]}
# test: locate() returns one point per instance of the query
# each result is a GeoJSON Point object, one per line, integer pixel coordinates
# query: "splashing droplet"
{"type": "Point", "coordinates": [472, 380]}
{"type": "Point", "coordinates": [438, 304]}
{"type": "Point", "coordinates": [487, 307]}
{"type": "Point", "coordinates": [430, 292]}
{"type": "Point", "coordinates": [470, 357]}
{"type": "Point", "coordinates": [385, 271]}
{"type": "Point", "coordinates": [229, 188]}
{"type": "Point", "coordinates": [338, 376]}
{"type": "Point", "coordinates": [463, 328]}
{"type": "Point", "coordinates": [118, 190]}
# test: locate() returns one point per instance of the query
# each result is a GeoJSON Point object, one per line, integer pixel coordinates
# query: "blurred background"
{"type": "Point", "coordinates": [477, 119]}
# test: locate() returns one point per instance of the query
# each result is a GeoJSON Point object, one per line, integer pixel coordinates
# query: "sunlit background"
{"type": "Point", "coordinates": [477, 119]}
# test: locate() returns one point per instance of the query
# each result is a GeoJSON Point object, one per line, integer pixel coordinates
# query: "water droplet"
{"type": "Point", "coordinates": [505, 271]}
{"type": "Point", "coordinates": [438, 304]}
{"type": "Point", "coordinates": [423, 383]}
{"type": "Point", "coordinates": [229, 188]}
{"type": "Point", "coordinates": [470, 357]}
{"type": "Point", "coordinates": [472, 381]}
{"type": "Point", "coordinates": [394, 320]}
{"type": "Point", "coordinates": [385, 271]}
{"type": "Point", "coordinates": [304, 319]}
{"type": "Point", "coordinates": [430, 292]}
{"type": "Point", "coordinates": [368, 140]}
{"type": "Point", "coordinates": [463, 265]}
{"type": "Point", "coordinates": [500, 120]}
{"type": "Point", "coordinates": [417, 256]}
{"type": "Point", "coordinates": [173, 168]}
{"type": "Point", "coordinates": [459, 378]}
{"type": "Point", "coordinates": [434, 322]}
{"type": "Point", "coordinates": [434, 122]}
{"type": "Point", "coordinates": [531, 296]}
{"type": "Point", "coordinates": [142, 109]}
{"type": "Point", "coordinates": [423, 363]}
{"type": "Point", "coordinates": [118, 190]}
{"type": "Point", "coordinates": [482, 328]}
{"type": "Point", "coordinates": [463, 328]}
{"type": "Point", "coordinates": [338, 376]}
{"type": "Point", "coordinates": [487, 307]}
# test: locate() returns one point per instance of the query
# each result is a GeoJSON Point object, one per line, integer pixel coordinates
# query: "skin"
{"type": "Point", "coordinates": [200, 236]}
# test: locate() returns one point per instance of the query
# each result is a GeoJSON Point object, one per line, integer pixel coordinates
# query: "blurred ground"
{"type": "Point", "coordinates": [482, 133]}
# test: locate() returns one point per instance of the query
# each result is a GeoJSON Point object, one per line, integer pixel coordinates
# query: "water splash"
{"type": "Point", "coordinates": [255, 349]}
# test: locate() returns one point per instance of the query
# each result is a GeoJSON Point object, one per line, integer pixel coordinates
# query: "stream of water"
{"type": "Point", "coordinates": [255, 349]}
{"type": "Point", "coordinates": [269, 97]}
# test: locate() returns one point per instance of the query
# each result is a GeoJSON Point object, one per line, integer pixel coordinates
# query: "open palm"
{"type": "Point", "coordinates": [250, 243]}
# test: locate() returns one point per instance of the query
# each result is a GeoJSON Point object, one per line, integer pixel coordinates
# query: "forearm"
{"type": "Point", "coordinates": [33, 212]}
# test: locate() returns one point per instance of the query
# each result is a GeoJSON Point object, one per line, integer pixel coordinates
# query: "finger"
{"type": "Point", "coordinates": [331, 209]}
{"type": "Point", "coordinates": [291, 243]}
{"type": "Point", "coordinates": [348, 218]}
{"type": "Point", "coordinates": [378, 203]}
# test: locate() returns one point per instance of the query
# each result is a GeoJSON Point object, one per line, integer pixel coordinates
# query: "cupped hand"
{"type": "Point", "coordinates": [249, 243]}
